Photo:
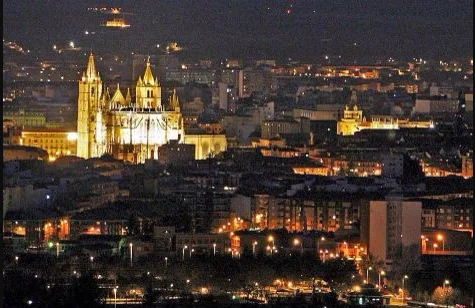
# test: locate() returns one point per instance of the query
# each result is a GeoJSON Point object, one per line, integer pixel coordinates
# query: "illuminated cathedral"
{"type": "Point", "coordinates": [113, 123]}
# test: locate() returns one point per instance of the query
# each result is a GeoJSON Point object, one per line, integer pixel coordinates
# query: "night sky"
{"type": "Point", "coordinates": [254, 28]}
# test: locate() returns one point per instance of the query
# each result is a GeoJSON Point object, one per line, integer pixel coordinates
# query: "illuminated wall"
{"type": "Point", "coordinates": [57, 142]}
{"type": "Point", "coordinates": [116, 125]}
{"type": "Point", "coordinates": [207, 145]}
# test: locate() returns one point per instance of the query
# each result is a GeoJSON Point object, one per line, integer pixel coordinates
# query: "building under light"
{"type": "Point", "coordinates": [132, 131]}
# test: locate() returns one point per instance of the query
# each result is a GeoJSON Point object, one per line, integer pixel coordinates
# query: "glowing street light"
{"type": "Point", "coordinates": [440, 237]}
{"type": "Point", "coordinates": [318, 242]}
{"type": "Point", "coordinates": [191, 251]}
{"type": "Point", "coordinates": [435, 246]}
{"type": "Point", "coordinates": [183, 251]}
{"type": "Point", "coordinates": [214, 249]}
{"type": "Point", "coordinates": [115, 296]}
{"type": "Point", "coordinates": [57, 249]}
{"type": "Point", "coordinates": [367, 273]}
{"type": "Point", "coordinates": [403, 280]}
{"type": "Point", "coordinates": [131, 253]}
{"type": "Point", "coordinates": [381, 273]}
{"type": "Point", "coordinates": [166, 262]}
{"type": "Point", "coordinates": [446, 283]}
{"type": "Point", "coordinates": [297, 242]}
{"type": "Point", "coordinates": [270, 238]}
{"type": "Point", "coordinates": [254, 248]}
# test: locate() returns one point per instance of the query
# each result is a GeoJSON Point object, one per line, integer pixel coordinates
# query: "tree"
{"type": "Point", "coordinates": [446, 295]}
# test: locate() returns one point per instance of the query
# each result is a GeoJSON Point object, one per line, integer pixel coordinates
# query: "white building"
{"type": "Point", "coordinates": [435, 105]}
{"type": "Point", "coordinates": [393, 222]}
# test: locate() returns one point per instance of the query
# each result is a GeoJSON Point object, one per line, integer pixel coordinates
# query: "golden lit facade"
{"type": "Point", "coordinates": [56, 141]}
{"type": "Point", "coordinates": [353, 121]}
{"type": "Point", "coordinates": [113, 124]}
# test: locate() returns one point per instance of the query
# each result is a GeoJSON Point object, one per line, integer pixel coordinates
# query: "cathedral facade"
{"type": "Point", "coordinates": [115, 124]}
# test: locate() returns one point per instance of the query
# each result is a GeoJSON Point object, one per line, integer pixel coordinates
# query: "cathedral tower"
{"type": "Point", "coordinates": [89, 100]}
{"type": "Point", "coordinates": [148, 91]}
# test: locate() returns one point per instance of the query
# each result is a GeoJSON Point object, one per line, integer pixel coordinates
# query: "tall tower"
{"type": "Point", "coordinates": [148, 91]}
{"type": "Point", "coordinates": [90, 93]}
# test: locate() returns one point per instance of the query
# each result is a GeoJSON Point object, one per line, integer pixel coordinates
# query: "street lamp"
{"type": "Point", "coordinates": [166, 262]}
{"type": "Point", "coordinates": [254, 248]}
{"type": "Point", "coordinates": [440, 237]}
{"type": "Point", "coordinates": [57, 249]}
{"type": "Point", "coordinates": [297, 242]}
{"type": "Point", "coordinates": [131, 253]}
{"type": "Point", "coordinates": [435, 246]}
{"type": "Point", "coordinates": [115, 296]}
{"type": "Point", "coordinates": [214, 249]}
{"type": "Point", "coordinates": [270, 238]}
{"type": "Point", "coordinates": [381, 273]}
{"type": "Point", "coordinates": [446, 282]}
{"type": "Point", "coordinates": [367, 273]}
{"type": "Point", "coordinates": [191, 251]}
{"type": "Point", "coordinates": [318, 242]}
{"type": "Point", "coordinates": [184, 247]}
{"type": "Point", "coordinates": [403, 280]}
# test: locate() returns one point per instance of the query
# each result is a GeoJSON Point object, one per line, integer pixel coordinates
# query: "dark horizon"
{"type": "Point", "coordinates": [246, 29]}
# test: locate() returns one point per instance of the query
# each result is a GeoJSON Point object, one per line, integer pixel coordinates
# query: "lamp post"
{"type": "Point", "coordinates": [403, 292]}
{"type": "Point", "coordinates": [297, 242]}
{"type": "Point", "coordinates": [318, 243]}
{"type": "Point", "coordinates": [440, 237]}
{"type": "Point", "coordinates": [446, 282]}
{"type": "Point", "coordinates": [166, 262]}
{"type": "Point", "coordinates": [367, 273]}
{"type": "Point", "coordinates": [57, 249]}
{"type": "Point", "coordinates": [254, 248]}
{"type": "Point", "coordinates": [115, 296]}
{"type": "Point", "coordinates": [435, 246]}
{"type": "Point", "coordinates": [381, 273]}
{"type": "Point", "coordinates": [184, 247]}
{"type": "Point", "coordinates": [191, 251]}
{"type": "Point", "coordinates": [214, 249]}
{"type": "Point", "coordinates": [271, 239]}
{"type": "Point", "coordinates": [131, 254]}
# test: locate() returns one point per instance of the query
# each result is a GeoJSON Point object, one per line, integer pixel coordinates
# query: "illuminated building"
{"type": "Point", "coordinates": [116, 23]}
{"type": "Point", "coordinates": [55, 141]}
{"type": "Point", "coordinates": [353, 121]}
{"type": "Point", "coordinates": [206, 145]}
{"type": "Point", "coordinates": [114, 124]}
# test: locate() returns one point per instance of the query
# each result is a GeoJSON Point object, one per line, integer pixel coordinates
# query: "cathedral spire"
{"type": "Point", "coordinates": [91, 72]}
{"type": "Point", "coordinates": [128, 97]}
{"type": "Point", "coordinates": [174, 103]}
{"type": "Point", "coordinates": [148, 77]}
